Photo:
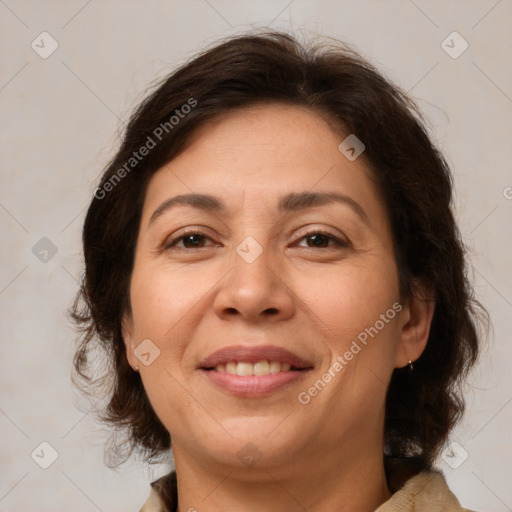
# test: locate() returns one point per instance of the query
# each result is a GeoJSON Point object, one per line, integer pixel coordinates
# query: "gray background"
{"type": "Point", "coordinates": [60, 120]}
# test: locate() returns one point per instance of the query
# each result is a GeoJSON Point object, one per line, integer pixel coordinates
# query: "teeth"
{"type": "Point", "coordinates": [275, 367]}
{"type": "Point", "coordinates": [260, 368]}
{"type": "Point", "coordinates": [244, 369]}
{"type": "Point", "coordinates": [230, 368]}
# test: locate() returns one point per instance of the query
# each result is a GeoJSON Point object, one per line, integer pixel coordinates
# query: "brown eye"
{"type": "Point", "coordinates": [193, 241]}
{"type": "Point", "coordinates": [321, 240]}
{"type": "Point", "coordinates": [318, 240]}
{"type": "Point", "coordinates": [190, 240]}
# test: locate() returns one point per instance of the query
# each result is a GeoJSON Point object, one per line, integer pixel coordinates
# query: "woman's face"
{"type": "Point", "coordinates": [265, 310]}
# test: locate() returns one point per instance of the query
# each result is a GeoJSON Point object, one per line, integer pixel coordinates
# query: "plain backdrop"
{"type": "Point", "coordinates": [60, 119]}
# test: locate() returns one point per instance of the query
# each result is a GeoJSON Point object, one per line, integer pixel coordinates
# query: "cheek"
{"type": "Point", "coordinates": [162, 299]}
{"type": "Point", "coordinates": [168, 305]}
{"type": "Point", "coordinates": [351, 298]}
{"type": "Point", "coordinates": [358, 307]}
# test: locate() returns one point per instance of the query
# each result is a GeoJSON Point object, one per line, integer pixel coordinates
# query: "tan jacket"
{"type": "Point", "coordinates": [425, 492]}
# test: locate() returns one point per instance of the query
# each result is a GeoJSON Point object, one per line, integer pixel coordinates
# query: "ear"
{"type": "Point", "coordinates": [127, 332]}
{"type": "Point", "coordinates": [415, 320]}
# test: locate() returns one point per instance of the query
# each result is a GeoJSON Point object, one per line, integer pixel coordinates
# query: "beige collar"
{"type": "Point", "coordinates": [425, 492]}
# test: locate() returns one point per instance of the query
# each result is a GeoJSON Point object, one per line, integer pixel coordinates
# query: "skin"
{"type": "Point", "coordinates": [312, 300]}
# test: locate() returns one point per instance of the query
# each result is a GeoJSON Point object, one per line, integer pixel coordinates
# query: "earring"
{"type": "Point", "coordinates": [136, 369]}
{"type": "Point", "coordinates": [411, 368]}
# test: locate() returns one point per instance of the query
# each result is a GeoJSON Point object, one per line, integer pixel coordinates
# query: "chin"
{"type": "Point", "coordinates": [255, 445]}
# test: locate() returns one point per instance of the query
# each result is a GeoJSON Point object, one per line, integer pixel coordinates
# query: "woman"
{"type": "Point", "coordinates": [276, 278]}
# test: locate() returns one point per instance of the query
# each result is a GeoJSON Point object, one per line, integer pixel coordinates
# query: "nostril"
{"type": "Point", "coordinates": [266, 312]}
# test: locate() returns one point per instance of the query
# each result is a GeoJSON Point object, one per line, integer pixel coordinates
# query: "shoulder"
{"type": "Point", "coordinates": [425, 492]}
{"type": "Point", "coordinates": [163, 496]}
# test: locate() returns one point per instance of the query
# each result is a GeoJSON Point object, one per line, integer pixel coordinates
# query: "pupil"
{"type": "Point", "coordinates": [318, 240]}
{"type": "Point", "coordinates": [194, 240]}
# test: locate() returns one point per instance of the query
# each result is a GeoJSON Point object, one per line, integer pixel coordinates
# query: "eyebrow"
{"type": "Point", "coordinates": [292, 202]}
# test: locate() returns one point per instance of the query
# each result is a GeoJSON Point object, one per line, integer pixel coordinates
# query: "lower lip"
{"type": "Point", "coordinates": [253, 385]}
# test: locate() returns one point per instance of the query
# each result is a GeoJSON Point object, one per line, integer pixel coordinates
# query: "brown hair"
{"type": "Point", "coordinates": [412, 177]}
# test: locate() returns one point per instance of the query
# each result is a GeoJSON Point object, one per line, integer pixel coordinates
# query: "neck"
{"type": "Point", "coordinates": [328, 483]}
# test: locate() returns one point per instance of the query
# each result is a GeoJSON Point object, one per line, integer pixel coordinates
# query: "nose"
{"type": "Point", "coordinates": [254, 291]}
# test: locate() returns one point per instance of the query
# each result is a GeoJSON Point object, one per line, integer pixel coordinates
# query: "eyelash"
{"type": "Point", "coordinates": [340, 243]}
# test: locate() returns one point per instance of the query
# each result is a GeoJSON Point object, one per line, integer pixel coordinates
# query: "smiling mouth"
{"type": "Point", "coordinates": [260, 368]}
{"type": "Point", "coordinates": [254, 371]}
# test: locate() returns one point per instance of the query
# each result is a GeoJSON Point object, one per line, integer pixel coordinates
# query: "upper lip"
{"type": "Point", "coordinates": [253, 355]}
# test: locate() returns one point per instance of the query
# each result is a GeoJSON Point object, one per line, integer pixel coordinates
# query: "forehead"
{"type": "Point", "coordinates": [259, 154]}
{"type": "Point", "coordinates": [264, 138]}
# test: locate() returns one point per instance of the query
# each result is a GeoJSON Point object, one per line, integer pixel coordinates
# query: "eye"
{"type": "Point", "coordinates": [194, 239]}
{"type": "Point", "coordinates": [188, 240]}
{"type": "Point", "coordinates": [322, 240]}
